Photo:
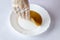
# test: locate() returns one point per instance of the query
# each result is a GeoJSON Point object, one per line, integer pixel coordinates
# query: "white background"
{"type": "Point", "coordinates": [8, 33]}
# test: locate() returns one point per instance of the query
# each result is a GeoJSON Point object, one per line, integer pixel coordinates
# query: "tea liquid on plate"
{"type": "Point", "coordinates": [35, 18]}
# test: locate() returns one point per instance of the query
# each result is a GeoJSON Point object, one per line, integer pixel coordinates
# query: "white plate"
{"type": "Point", "coordinates": [30, 29]}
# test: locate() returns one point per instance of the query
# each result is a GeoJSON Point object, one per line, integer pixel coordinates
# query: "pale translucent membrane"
{"type": "Point", "coordinates": [21, 7]}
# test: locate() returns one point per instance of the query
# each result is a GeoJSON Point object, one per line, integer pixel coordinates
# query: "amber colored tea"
{"type": "Point", "coordinates": [35, 18]}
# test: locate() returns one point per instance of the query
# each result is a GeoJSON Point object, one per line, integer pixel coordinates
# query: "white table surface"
{"type": "Point", "coordinates": [8, 33]}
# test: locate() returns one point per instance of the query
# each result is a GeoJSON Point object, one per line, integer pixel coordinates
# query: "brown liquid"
{"type": "Point", "coordinates": [35, 18]}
